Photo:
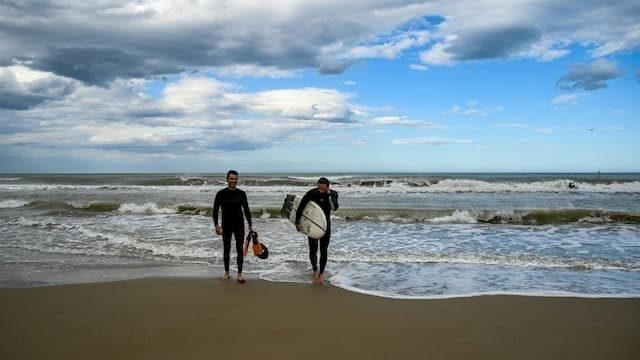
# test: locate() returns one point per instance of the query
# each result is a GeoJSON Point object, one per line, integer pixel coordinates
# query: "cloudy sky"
{"type": "Point", "coordinates": [203, 86]}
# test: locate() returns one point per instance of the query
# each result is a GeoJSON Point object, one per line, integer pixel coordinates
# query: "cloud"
{"type": "Point", "coordinates": [404, 121]}
{"type": "Point", "coordinates": [428, 141]}
{"type": "Point", "coordinates": [350, 83]}
{"type": "Point", "coordinates": [471, 109]}
{"type": "Point", "coordinates": [496, 29]}
{"type": "Point", "coordinates": [418, 67]}
{"type": "Point", "coordinates": [566, 99]}
{"type": "Point", "coordinates": [303, 104]}
{"type": "Point", "coordinates": [23, 89]}
{"type": "Point", "coordinates": [388, 47]}
{"type": "Point", "coordinates": [100, 65]}
{"type": "Point", "coordinates": [193, 115]}
{"type": "Point", "coordinates": [252, 70]}
{"type": "Point", "coordinates": [506, 40]}
{"type": "Point", "coordinates": [589, 77]}
{"type": "Point", "coordinates": [100, 42]}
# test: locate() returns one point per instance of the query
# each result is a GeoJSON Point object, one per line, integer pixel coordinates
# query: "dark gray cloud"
{"type": "Point", "coordinates": [19, 101]}
{"type": "Point", "coordinates": [334, 67]}
{"type": "Point", "coordinates": [493, 43]}
{"type": "Point", "coordinates": [99, 66]}
{"type": "Point", "coordinates": [99, 42]}
{"type": "Point", "coordinates": [15, 95]}
{"type": "Point", "coordinates": [589, 77]}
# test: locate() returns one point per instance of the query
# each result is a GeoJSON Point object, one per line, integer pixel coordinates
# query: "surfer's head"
{"type": "Point", "coordinates": [232, 179]}
{"type": "Point", "coordinates": [323, 184]}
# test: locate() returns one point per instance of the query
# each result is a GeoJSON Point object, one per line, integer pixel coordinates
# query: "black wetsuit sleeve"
{"type": "Point", "coordinates": [245, 207]}
{"type": "Point", "coordinates": [334, 200]}
{"type": "Point", "coordinates": [216, 208]}
{"type": "Point", "coordinates": [303, 203]}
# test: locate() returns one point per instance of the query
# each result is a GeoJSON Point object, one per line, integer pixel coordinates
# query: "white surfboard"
{"type": "Point", "coordinates": [313, 221]}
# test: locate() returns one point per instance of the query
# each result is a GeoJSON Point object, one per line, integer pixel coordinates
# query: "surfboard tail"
{"type": "Point", "coordinates": [287, 206]}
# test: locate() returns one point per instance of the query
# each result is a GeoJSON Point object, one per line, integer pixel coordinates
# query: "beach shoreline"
{"type": "Point", "coordinates": [193, 318]}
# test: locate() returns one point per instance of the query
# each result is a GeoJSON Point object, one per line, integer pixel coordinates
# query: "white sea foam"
{"type": "Point", "coordinates": [393, 186]}
{"type": "Point", "coordinates": [316, 177]}
{"type": "Point", "coordinates": [459, 216]}
{"type": "Point", "coordinates": [147, 208]}
{"type": "Point", "coordinates": [12, 203]}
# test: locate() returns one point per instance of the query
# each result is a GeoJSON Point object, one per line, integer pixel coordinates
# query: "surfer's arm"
{"type": "Point", "coordinates": [216, 207]}
{"type": "Point", "coordinates": [245, 207]}
{"type": "Point", "coordinates": [334, 200]}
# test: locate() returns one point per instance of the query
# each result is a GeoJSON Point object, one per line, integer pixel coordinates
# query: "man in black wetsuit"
{"type": "Point", "coordinates": [327, 199]}
{"type": "Point", "coordinates": [233, 202]}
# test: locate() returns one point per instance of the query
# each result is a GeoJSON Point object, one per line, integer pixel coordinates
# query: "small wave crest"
{"type": "Point", "coordinates": [147, 208]}
{"type": "Point", "coordinates": [461, 216]}
{"type": "Point", "coordinates": [12, 203]}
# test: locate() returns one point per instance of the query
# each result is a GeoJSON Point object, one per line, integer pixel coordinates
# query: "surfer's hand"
{"type": "Point", "coordinates": [299, 227]}
{"type": "Point", "coordinates": [218, 230]}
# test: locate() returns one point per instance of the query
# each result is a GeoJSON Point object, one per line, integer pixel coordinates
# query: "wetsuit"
{"type": "Point", "coordinates": [326, 201]}
{"type": "Point", "coordinates": [233, 203]}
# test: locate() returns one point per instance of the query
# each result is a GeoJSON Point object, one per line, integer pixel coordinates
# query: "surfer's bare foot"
{"type": "Point", "coordinates": [225, 276]}
{"type": "Point", "coordinates": [314, 277]}
{"type": "Point", "coordinates": [320, 279]}
{"type": "Point", "coordinates": [240, 279]}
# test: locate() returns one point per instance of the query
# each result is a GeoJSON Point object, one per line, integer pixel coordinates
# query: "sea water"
{"type": "Point", "coordinates": [395, 235]}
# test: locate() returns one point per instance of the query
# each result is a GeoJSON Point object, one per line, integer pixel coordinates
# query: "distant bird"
{"type": "Point", "coordinates": [591, 129]}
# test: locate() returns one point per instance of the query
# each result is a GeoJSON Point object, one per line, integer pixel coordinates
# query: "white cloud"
{"type": "Point", "coordinates": [428, 141]}
{"type": "Point", "coordinates": [252, 70]}
{"type": "Point", "coordinates": [350, 83]}
{"type": "Point", "coordinates": [193, 114]}
{"type": "Point", "coordinates": [405, 121]}
{"type": "Point", "coordinates": [472, 109]}
{"type": "Point", "coordinates": [566, 99]}
{"type": "Point", "coordinates": [418, 67]}
{"type": "Point", "coordinates": [390, 48]}
{"type": "Point", "coordinates": [306, 103]}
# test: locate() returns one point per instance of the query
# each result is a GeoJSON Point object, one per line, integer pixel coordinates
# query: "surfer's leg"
{"type": "Point", "coordinates": [226, 246]}
{"type": "Point", "coordinates": [324, 250]}
{"type": "Point", "coordinates": [239, 235]}
{"type": "Point", "coordinates": [313, 253]}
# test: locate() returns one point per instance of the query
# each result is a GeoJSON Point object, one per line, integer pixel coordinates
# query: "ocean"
{"type": "Point", "coordinates": [416, 236]}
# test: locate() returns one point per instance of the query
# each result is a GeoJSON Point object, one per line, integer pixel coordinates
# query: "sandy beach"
{"type": "Point", "coordinates": [184, 318]}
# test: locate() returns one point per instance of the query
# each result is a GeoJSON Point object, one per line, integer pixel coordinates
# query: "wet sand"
{"type": "Point", "coordinates": [180, 318]}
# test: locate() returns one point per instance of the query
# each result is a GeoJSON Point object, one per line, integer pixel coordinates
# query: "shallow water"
{"type": "Point", "coordinates": [396, 235]}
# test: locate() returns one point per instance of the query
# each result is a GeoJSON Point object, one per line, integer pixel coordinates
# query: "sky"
{"type": "Point", "coordinates": [319, 86]}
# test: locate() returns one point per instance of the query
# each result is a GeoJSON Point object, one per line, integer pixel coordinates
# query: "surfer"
{"type": "Point", "coordinates": [328, 200]}
{"type": "Point", "coordinates": [233, 202]}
